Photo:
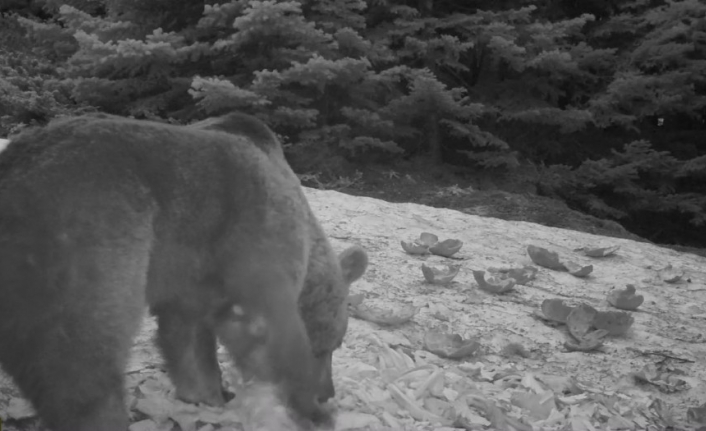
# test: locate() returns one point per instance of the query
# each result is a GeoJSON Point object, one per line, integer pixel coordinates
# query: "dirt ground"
{"type": "Point", "coordinates": [521, 375]}
{"type": "Point", "coordinates": [524, 375]}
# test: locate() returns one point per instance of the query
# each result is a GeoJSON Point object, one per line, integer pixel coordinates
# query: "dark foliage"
{"type": "Point", "coordinates": [607, 97]}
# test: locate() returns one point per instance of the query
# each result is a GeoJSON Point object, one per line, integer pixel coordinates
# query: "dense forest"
{"type": "Point", "coordinates": [606, 98]}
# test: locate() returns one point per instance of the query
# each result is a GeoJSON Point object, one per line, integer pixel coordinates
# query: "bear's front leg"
{"type": "Point", "coordinates": [267, 339]}
{"type": "Point", "coordinates": [188, 344]}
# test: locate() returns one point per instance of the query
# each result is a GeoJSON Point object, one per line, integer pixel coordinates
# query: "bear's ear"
{"type": "Point", "coordinates": [353, 262]}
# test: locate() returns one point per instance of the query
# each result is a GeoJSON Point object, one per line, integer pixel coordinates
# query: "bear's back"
{"type": "Point", "coordinates": [202, 186]}
{"type": "Point", "coordinates": [176, 165]}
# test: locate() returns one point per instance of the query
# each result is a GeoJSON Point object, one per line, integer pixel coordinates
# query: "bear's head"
{"type": "Point", "coordinates": [324, 307]}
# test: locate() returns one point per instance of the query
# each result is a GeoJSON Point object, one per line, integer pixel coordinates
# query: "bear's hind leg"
{"type": "Point", "coordinates": [67, 330]}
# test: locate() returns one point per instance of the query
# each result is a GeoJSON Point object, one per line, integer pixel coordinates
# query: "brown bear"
{"type": "Point", "coordinates": [102, 216]}
{"type": "Point", "coordinates": [323, 301]}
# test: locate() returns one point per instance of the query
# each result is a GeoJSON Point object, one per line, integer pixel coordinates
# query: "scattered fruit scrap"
{"type": "Point", "coordinates": [578, 270]}
{"type": "Point", "coordinates": [670, 274]}
{"type": "Point", "coordinates": [429, 243]}
{"type": "Point", "coordinates": [550, 259]}
{"type": "Point", "coordinates": [625, 299]}
{"type": "Point", "coordinates": [497, 285]}
{"type": "Point", "coordinates": [580, 321]}
{"type": "Point", "coordinates": [665, 380]}
{"type": "Point", "coordinates": [391, 316]}
{"type": "Point", "coordinates": [521, 275]}
{"type": "Point", "coordinates": [556, 310]}
{"type": "Point", "coordinates": [440, 274]}
{"type": "Point", "coordinates": [415, 248]}
{"type": "Point", "coordinates": [615, 323]}
{"type": "Point", "coordinates": [446, 248]}
{"type": "Point", "coordinates": [586, 324]}
{"type": "Point", "coordinates": [545, 258]}
{"type": "Point", "coordinates": [697, 414]}
{"type": "Point", "coordinates": [599, 251]}
{"type": "Point", "coordinates": [451, 346]}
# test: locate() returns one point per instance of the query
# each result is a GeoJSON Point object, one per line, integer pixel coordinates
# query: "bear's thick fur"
{"type": "Point", "coordinates": [101, 216]}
